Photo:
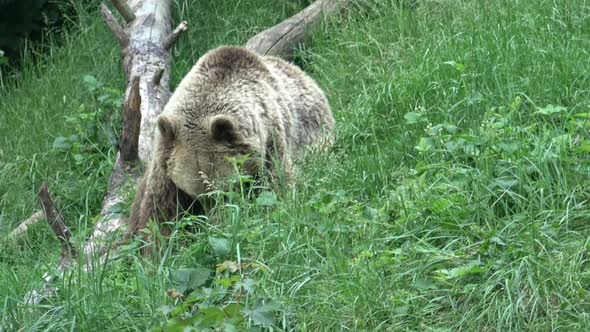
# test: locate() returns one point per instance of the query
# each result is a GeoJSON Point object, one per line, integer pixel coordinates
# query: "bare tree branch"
{"type": "Point", "coordinates": [124, 9]}
{"type": "Point", "coordinates": [281, 39]}
{"type": "Point", "coordinates": [56, 221]}
{"type": "Point", "coordinates": [116, 28]}
{"type": "Point", "coordinates": [24, 226]}
{"type": "Point", "coordinates": [173, 36]}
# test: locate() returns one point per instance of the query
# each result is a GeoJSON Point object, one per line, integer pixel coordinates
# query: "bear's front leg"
{"type": "Point", "coordinates": [156, 200]}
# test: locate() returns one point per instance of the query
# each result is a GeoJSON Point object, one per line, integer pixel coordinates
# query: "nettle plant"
{"type": "Point", "coordinates": [233, 300]}
{"type": "Point", "coordinates": [95, 124]}
{"type": "Point", "coordinates": [233, 296]}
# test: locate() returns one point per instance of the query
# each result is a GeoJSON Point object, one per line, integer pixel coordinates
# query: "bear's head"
{"type": "Point", "coordinates": [195, 157]}
{"type": "Point", "coordinates": [212, 117]}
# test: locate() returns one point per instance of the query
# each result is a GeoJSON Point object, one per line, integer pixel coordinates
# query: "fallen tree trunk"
{"type": "Point", "coordinates": [145, 42]}
{"type": "Point", "coordinates": [283, 38]}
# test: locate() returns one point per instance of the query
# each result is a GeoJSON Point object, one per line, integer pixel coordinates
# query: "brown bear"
{"type": "Point", "coordinates": [232, 103]}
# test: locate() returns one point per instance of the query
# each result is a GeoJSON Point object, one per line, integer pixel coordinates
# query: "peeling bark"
{"type": "Point", "coordinates": [145, 58]}
{"type": "Point", "coordinates": [131, 125]}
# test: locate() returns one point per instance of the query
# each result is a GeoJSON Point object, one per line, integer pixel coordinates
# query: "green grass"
{"type": "Point", "coordinates": [455, 198]}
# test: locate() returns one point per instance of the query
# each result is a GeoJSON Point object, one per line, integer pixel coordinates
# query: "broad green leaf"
{"type": "Point", "coordinates": [425, 144]}
{"type": "Point", "coordinates": [472, 267]}
{"type": "Point", "coordinates": [413, 117]}
{"type": "Point", "coordinates": [165, 309]}
{"type": "Point", "coordinates": [185, 279]}
{"type": "Point", "coordinates": [263, 313]}
{"type": "Point", "coordinates": [247, 284]}
{"type": "Point", "coordinates": [210, 317]}
{"type": "Point", "coordinates": [91, 82]}
{"type": "Point", "coordinates": [550, 109]}
{"type": "Point", "coordinates": [62, 143]}
{"type": "Point", "coordinates": [583, 148]}
{"type": "Point", "coordinates": [425, 284]}
{"type": "Point", "coordinates": [266, 198]}
{"type": "Point", "coordinates": [221, 246]}
{"type": "Point", "coordinates": [227, 282]}
{"type": "Point", "coordinates": [232, 310]}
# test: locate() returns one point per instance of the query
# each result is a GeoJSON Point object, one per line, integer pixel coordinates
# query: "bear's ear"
{"type": "Point", "coordinates": [225, 128]}
{"type": "Point", "coordinates": [166, 127]}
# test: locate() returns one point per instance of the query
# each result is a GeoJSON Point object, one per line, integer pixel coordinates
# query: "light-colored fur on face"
{"type": "Point", "coordinates": [232, 103]}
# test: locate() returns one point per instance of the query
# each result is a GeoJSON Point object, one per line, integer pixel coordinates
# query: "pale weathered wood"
{"type": "Point", "coordinates": [147, 62]}
{"type": "Point", "coordinates": [281, 39]}
{"type": "Point", "coordinates": [116, 28]}
{"type": "Point", "coordinates": [173, 36]}
{"type": "Point", "coordinates": [124, 9]}
{"type": "Point", "coordinates": [144, 57]}
{"type": "Point", "coordinates": [24, 226]}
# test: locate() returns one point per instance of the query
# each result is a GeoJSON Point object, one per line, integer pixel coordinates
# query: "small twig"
{"type": "Point", "coordinates": [158, 76]}
{"type": "Point", "coordinates": [131, 124]}
{"type": "Point", "coordinates": [56, 221]}
{"type": "Point", "coordinates": [124, 9]}
{"type": "Point", "coordinates": [23, 226]}
{"type": "Point", "coordinates": [173, 36]}
{"type": "Point", "coordinates": [114, 26]}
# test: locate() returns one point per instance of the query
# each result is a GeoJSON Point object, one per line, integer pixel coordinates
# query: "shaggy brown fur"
{"type": "Point", "coordinates": [232, 103]}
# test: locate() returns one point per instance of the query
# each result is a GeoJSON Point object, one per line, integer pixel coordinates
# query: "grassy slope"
{"type": "Point", "coordinates": [447, 202]}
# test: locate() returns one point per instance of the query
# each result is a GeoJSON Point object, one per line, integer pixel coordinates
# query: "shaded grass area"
{"type": "Point", "coordinates": [455, 197]}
